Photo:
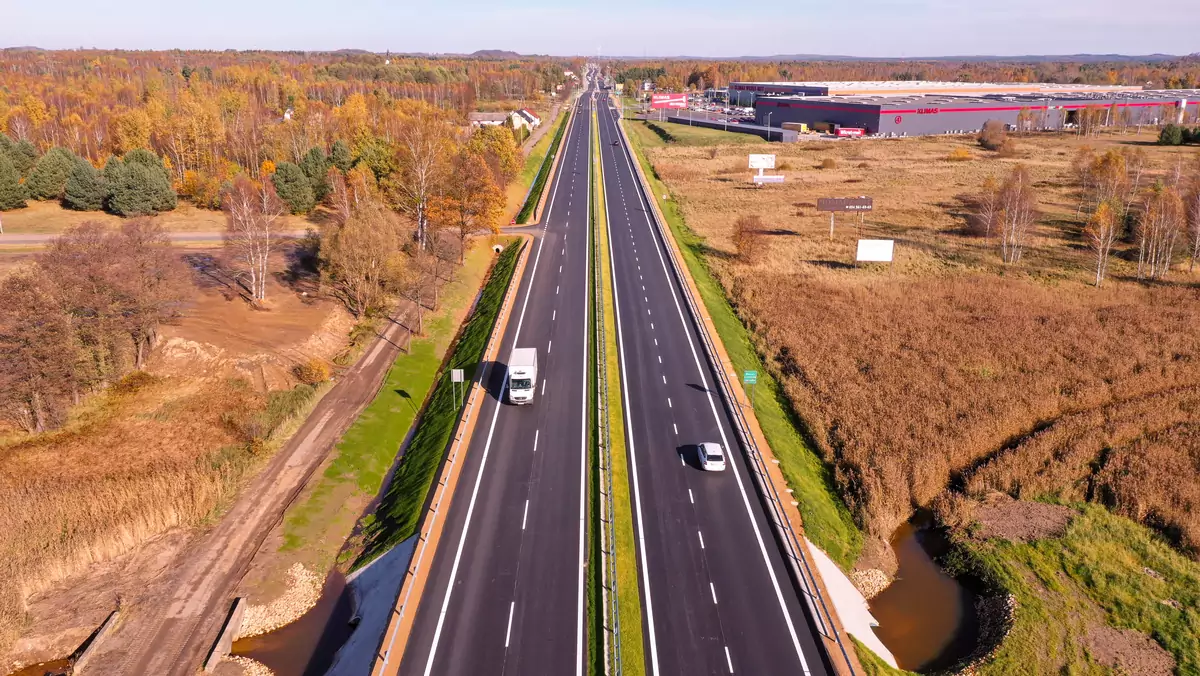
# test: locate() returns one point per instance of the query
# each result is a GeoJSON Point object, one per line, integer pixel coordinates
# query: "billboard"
{"type": "Point", "coordinates": [845, 204]}
{"type": "Point", "coordinates": [875, 250]}
{"type": "Point", "coordinates": [760, 179]}
{"type": "Point", "coordinates": [762, 161]}
{"type": "Point", "coordinates": [668, 100]}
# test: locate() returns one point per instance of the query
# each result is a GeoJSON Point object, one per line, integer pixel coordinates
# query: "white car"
{"type": "Point", "coordinates": [712, 457]}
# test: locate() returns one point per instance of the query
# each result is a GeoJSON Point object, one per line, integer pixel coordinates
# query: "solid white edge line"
{"type": "Point", "coordinates": [633, 471]}
{"type": "Point", "coordinates": [525, 515]}
{"type": "Point", "coordinates": [728, 659]}
{"type": "Point", "coordinates": [661, 244]}
{"type": "Point", "coordinates": [487, 447]}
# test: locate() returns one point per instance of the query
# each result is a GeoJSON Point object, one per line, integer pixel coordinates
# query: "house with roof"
{"type": "Point", "coordinates": [533, 120]}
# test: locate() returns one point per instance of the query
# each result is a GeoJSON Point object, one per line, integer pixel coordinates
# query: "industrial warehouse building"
{"type": "Point", "coordinates": [945, 114]}
{"type": "Point", "coordinates": [745, 93]}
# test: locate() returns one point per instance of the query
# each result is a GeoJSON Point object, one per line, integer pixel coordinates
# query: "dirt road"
{"type": "Point", "coordinates": [169, 628]}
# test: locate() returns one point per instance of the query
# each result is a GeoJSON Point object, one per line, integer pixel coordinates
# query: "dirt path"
{"type": "Point", "coordinates": [170, 627]}
{"type": "Point", "coordinates": [42, 238]}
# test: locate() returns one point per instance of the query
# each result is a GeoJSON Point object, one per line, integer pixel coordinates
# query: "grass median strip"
{"type": "Point", "coordinates": [316, 525]}
{"type": "Point", "coordinates": [632, 650]}
{"type": "Point", "coordinates": [399, 510]}
{"type": "Point", "coordinates": [539, 183]}
{"type": "Point", "coordinates": [827, 521]}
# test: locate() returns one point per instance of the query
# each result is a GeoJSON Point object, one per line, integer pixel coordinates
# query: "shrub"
{"type": "Point", "coordinates": [85, 189]}
{"type": "Point", "coordinates": [863, 165]}
{"type": "Point", "coordinates": [1008, 148]}
{"type": "Point", "coordinates": [312, 372]}
{"type": "Point", "coordinates": [203, 190]}
{"type": "Point", "coordinates": [12, 193]}
{"type": "Point", "coordinates": [294, 188]}
{"type": "Point", "coordinates": [748, 237]}
{"type": "Point", "coordinates": [959, 155]}
{"type": "Point", "coordinates": [1171, 135]}
{"type": "Point", "coordinates": [993, 135]}
{"type": "Point", "coordinates": [828, 163]}
{"type": "Point", "coordinates": [782, 166]}
{"type": "Point", "coordinates": [49, 175]}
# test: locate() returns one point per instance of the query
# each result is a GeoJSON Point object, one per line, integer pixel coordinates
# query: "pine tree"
{"type": "Point", "coordinates": [138, 184]}
{"type": "Point", "coordinates": [339, 155]}
{"type": "Point", "coordinates": [85, 189]}
{"type": "Point", "coordinates": [12, 193]}
{"type": "Point", "coordinates": [315, 164]}
{"type": "Point", "coordinates": [293, 188]}
{"type": "Point", "coordinates": [22, 154]}
{"type": "Point", "coordinates": [49, 175]}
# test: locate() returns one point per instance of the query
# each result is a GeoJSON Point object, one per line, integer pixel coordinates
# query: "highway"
{"type": "Point", "coordinates": [506, 588]}
{"type": "Point", "coordinates": [716, 595]}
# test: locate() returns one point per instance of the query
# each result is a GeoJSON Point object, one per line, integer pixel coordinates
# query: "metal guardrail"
{"type": "Point", "coordinates": [608, 547]}
{"type": "Point", "coordinates": [797, 560]}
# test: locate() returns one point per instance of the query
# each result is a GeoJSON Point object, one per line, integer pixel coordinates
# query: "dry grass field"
{"type": "Point", "coordinates": [949, 369]}
{"type": "Point", "coordinates": [160, 450]}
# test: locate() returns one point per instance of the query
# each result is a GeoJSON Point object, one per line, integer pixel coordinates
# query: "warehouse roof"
{"type": "Point", "coordinates": [932, 100]}
{"type": "Point", "coordinates": [916, 86]}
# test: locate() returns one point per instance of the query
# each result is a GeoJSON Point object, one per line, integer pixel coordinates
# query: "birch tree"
{"type": "Point", "coordinates": [1017, 210]}
{"type": "Point", "coordinates": [1158, 231]}
{"type": "Point", "coordinates": [1102, 231]}
{"type": "Point", "coordinates": [424, 144]}
{"type": "Point", "coordinates": [359, 255]}
{"type": "Point", "coordinates": [1193, 219]}
{"type": "Point", "coordinates": [253, 215]}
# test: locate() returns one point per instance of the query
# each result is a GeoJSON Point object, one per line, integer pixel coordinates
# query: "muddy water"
{"type": "Point", "coordinates": [926, 618]}
{"type": "Point", "coordinates": [55, 667]}
{"type": "Point", "coordinates": [307, 646]}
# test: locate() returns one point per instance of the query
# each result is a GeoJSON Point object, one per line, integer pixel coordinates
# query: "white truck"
{"type": "Point", "coordinates": [522, 375]}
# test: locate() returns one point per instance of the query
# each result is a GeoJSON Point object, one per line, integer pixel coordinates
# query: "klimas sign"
{"type": "Point", "coordinates": [668, 101]}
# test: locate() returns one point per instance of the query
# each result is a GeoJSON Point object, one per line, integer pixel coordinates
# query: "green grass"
{"type": "Point", "coordinates": [632, 650]}
{"type": "Point", "coordinates": [827, 521]}
{"type": "Point", "coordinates": [597, 658]}
{"type": "Point", "coordinates": [399, 511]}
{"type": "Point", "coordinates": [654, 134]}
{"type": "Point", "coordinates": [368, 448]}
{"type": "Point", "coordinates": [1093, 573]}
{"type": "Point", "coordinates": [539, 183]}
{"type": "Point", "coordinates": [873, 665]}
{"type": "Point", "coordinates": [533, 161]}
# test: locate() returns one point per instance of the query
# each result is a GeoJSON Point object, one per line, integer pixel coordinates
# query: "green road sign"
{"type": "Point", "coordinates": [750, 377]}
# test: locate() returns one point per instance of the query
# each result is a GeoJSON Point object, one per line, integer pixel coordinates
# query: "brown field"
{"type": "Point", "coordinates": [157, 453]}
{"type": "Point", "coordinates": [948, 369]}
{"type": "Point", "coordinates": [47, 218]}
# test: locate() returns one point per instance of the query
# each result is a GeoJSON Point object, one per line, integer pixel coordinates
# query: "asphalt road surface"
{"type": "Point", "coordinates": [716, 595]}
{"type": "Point", "coordinates": [506, 590]}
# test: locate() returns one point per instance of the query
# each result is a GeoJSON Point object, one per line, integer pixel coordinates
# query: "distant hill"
{"type": "Point", "coordinates": [970, 58]}
{"type": "Point", "coordinates": [494, 54]}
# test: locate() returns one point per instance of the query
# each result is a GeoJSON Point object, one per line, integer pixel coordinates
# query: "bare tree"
{"type": "Point", "coordinates": [1158, 231]}
{"type": "Point", "coordinates": [253, 215]}
{"type": "Point", "coordinates": [987, 204]}
{"type": "Point", "coordinates": [411, 279]}
{"type": "Point", "coordinates": [1193, 216]}
{"type": "Point", "coordinates": [423, 146]}
{"type": "Point", "coordinates": [152, 283]}
{"type": "Point", "coordinates": [1102, 231]}
{"type": "Point", "coordinates": [358, 256]}
{"type": "Point", "coordinates": [38, 352]}
{"type": "Point", "coordinates": [1017, 212]}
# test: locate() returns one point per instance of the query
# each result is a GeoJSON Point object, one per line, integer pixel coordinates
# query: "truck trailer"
{"type": "Point", "coordinates": [522, 375]}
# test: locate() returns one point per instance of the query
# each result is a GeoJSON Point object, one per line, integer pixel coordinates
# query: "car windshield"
{"type": "Point", "coordinates": [520, 384]}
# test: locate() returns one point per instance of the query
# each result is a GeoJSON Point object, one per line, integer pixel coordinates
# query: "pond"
{"type": "Point", "coordinates": [927, 619]}
{"type": "Point", "coordinates": [307, 646]}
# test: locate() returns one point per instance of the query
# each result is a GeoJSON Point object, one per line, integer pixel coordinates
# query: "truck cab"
{"type": "Point", "coordinates": [522, 375]}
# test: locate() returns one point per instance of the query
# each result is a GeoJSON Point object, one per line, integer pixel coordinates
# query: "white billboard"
{"type": "Point", "coordinates": [768, 179]}
{"type": "Point", "coordinates": [762, 161]}
{"type": "Point", "coordinates": [875, 250]}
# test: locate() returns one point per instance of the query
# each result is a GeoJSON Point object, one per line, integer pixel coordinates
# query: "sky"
{"type": "Point", "coordinates": [712, 28]}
